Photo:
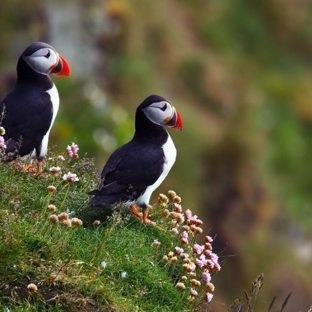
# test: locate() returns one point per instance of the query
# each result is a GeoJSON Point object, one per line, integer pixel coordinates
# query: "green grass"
{"type": "Point", "coordinates": [110, 267]}
{"type": "Point", "coordinates": [65, 263]}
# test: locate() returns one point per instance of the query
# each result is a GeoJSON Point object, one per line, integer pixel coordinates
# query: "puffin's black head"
{"type": "Point", "coordinates": [43, 59]}
{"type": "Point", "coordinates": [159, 111]}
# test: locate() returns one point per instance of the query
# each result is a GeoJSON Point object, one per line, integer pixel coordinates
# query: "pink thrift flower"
{"type": "Point", "coordinates": [193, 292]}
{"type": "Point", "coordinates": [178, 250]}
{"type": "Point", "coordinates": [214, 258]}
{"type": "Point", "coordinates": [184, 240]}
{"type": "Point", "coordinates": [177, 207]}
{"type": "Point", "coordinates": [61, 157]}
{"type": "Point", "coordinates": [199, 222]}
{"type": "Point", "coordinates": [55, 170]}
{"type": "Point", "coordinates": [207, 252]}
{"type": "Point", "coordinates": [184, 255]}
{"type": "Point", "coordinates": [203, 259]}
{"type": "Point", "coordinates": [198, 249]}
{"type": "Point", "coordinates": [179, 217]}
{"type": "Point", "coordinates": [194, 220]}
{"type": "Point", "coordinates": [206, 277]}
{"type": "Point", "coordinates": [217, 267]}
{"type": "Point", "coordinates": [156, 243]}
{"type": "Point", "coordinates": [185, 234]}
{"type": "Point", "coordinates": [210, 264]}
{"type": "Point", "coordinates": [188, 214]}
{"type": "Point", "coordinates": [70, 177]}
{"type": "Point", "coordinates": [208, 297]}
{"type": "Point", "coordinates": [2, 143]}
{"type": "Point", "coordinates": [208, 239]}
{"type": "Point", "coordinates": [184, 237]}
{"type": "Point", "coordinates": [72, 150]}
{"type": "Point", "coordinates": [199, 263]}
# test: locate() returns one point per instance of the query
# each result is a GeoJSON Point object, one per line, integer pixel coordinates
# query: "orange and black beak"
{"type": "Point", "coordinates": [61, 68]}
{"type": "Point", "coordinates": [175, 121]}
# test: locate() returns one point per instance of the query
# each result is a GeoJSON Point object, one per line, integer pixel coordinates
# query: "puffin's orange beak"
{"type": "Point", "coordinates": [175, 121]}
{"type": "Point", "coordinates": [62, 68]}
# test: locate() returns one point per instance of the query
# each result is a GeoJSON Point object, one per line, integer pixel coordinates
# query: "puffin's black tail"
{"type": "Point", "coordinates": [97, 201]}
{"type": "Point", "coordinates": [109, 195]}
{"type": "Point", "coordinates": [102, 200]}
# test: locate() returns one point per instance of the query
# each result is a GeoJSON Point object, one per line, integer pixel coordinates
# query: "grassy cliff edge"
{"type": "Point", "coordinates": [50, 262]}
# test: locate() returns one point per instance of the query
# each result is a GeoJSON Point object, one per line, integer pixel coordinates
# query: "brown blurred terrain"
{"type": "Point", "coordinates": [240, 72]}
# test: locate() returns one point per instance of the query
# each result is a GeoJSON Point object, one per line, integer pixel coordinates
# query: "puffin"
{"type": "Point", "coordinates": [134, 171]}
{"type": "Point", "coordinates": [29, 110]}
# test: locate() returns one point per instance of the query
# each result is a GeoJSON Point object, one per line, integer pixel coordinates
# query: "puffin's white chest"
{"type": "Point", "coordinates": [170, 158]}
{"type": "Point", "coordinates": [170, 154]}
{"type": "Point", "coordinates": [54, 96]}
{"type": "Point", "coordinates": [55, 102]}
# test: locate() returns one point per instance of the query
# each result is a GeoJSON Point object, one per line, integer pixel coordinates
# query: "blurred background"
{"type": "Point", "coordinates": [240, 73]}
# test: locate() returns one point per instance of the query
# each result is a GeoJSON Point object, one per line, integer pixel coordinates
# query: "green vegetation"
{"type": "Point", "coordinates": [108, 266]}
{"type": "Point", "coordinates": [65, 263]}
{"type": "Point", "coordinates": [119, 264]}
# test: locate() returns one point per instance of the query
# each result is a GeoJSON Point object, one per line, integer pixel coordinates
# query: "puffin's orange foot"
{"type": "Point", "coordinates": [34, 169]}
{"type": "Point", "coordinates": [136, 212]}
{"type": "Point", "coordinates": [29, 168]}
{"type": "Point", "coordinates": [142, 216]}
{"type": "Point", "coordinates": [39, 167]}
{"type": "Point", "coordinates": [145, 218]}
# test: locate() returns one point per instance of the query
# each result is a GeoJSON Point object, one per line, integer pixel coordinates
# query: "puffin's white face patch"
{"type": "Point", "coordinates": [42, 61]}
{"type": "Point", "coordinates": [159, 112]}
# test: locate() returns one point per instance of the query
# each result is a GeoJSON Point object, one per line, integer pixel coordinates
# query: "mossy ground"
{"type": "Point", "coordinates": [65, 263]}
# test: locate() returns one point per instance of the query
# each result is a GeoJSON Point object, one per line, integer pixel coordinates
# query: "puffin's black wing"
{"type": "Point", "coordinates": [27, 118]}
{"type": "Point", "coordinates": [128, 172]}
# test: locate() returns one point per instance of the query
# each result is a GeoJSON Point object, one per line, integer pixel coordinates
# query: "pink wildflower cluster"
{"type": "Point", "coordinates": [2, 143]}
{"type": "Point", "coordinates": [56, 171]}
{"type": "Point", "coordinates": [70, 177]}
{"type": "Point", "coordinates": [72, 150]}
{"type": "Point", "coordinates": [197, 260]}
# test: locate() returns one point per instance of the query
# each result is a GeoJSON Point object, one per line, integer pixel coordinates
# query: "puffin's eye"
{"type": "Point", "coordinates": [164, 107]}
{"type": "Point", "coordinates": [48, 54]}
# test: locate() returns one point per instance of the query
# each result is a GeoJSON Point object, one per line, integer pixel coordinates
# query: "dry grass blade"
{"type": "Point", "coordinates": [272, 303]}
{"type": "Point", "coordinates": [236, 306]}
{"type": "Point", "coordinates": [248, 300]}
{"type": "Point", "coordinates": [285, 302]}
{"type": "Point", "coordinates": [256, 286]}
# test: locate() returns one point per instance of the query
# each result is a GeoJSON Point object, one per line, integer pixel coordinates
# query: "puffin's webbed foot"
{"type": "Point", "coordinates": [34, 169]}
{"type": "Point", "coordinates": [145, 218]}
{"type": "Point", "coordinates": [40, 166]}
{"type": "Point", "coordinates": [30, 168]}
{"type": "Point", "coordinates": [142, 216]}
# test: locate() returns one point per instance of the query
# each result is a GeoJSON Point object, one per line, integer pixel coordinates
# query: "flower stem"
{"type": "Point", "coordinates": [65, 197]}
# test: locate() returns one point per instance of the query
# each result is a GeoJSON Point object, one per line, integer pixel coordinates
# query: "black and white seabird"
{"type": "Point", "coordinates": [135, 170]}
{"type": "Point", "coordinates": [29, 110]}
